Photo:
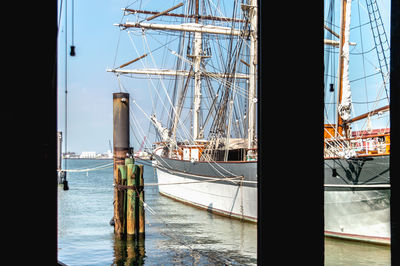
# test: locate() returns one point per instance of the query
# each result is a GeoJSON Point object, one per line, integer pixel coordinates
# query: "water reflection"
{"type": "Point", "coordinates": [129, 251]}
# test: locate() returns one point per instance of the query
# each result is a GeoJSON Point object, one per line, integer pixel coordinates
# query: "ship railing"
{"type": "Point", "coordinates": [369, 145]}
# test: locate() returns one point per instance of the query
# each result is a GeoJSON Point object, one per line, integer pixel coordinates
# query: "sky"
{"type": "Point", "coordinates": [89, 86]}
{"type": "Point", "coordinates": [361, 90]}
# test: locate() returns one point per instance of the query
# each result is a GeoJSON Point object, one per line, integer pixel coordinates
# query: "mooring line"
{"type": "Point", "coordinates": [227, 178]}
{"type": "Point", "coordinates": [191, 182]}
{"type": "Point", "coordinates": [89, 169]}
{"type": "Point", "coordinates": [122, 187]}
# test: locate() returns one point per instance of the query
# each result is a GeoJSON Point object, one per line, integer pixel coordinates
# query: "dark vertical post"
{"type": "Point", "coordinates": [59, 150]}
{"type": "Point", "coordinates": [60, 175]}
{"type": "Point", "coordinates": [121, 148]}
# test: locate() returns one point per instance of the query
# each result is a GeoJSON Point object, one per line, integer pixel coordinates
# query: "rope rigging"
{"type": "Point", "coordinates": [225, 95]}
{"type": "Point", "coordinates": [365, 71]}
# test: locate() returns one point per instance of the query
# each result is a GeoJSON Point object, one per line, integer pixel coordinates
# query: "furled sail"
{"type": "Point", "coordinates": [344, 107]}
{"type": "Point", "coordinates": [163, 131]}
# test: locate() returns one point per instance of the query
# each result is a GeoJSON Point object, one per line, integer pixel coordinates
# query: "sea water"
{"type": "Point", "coordinates": [346, 252]}
{"type": "Point", "coordinates": [176, 234]}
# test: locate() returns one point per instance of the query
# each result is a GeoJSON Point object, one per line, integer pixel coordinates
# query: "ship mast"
{"type": "Point", "coordinates": [197, 76]}
{"type": "Point", "coordinates": [197, 72]}
{"type": "Point", "coordinates": [252, 74]}
{"type": "Point", "coordinates": [343, 63]}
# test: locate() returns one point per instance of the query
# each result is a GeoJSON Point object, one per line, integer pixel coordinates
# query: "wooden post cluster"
{"type": "Point", "coordinates": [131, 200]}
{"type": "Point", "coordinates": [120, 151]}
{"type": "Point", "coordinates": [128, 177]}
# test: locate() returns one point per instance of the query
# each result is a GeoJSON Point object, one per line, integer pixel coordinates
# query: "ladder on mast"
{"type": "Point", "coordinates": [380, 39]}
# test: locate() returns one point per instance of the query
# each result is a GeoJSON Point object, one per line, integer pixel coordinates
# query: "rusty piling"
{"type": "Point", "coordinates": [120, 150]}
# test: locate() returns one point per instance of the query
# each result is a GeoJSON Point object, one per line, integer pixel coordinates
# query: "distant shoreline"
{"type": "Point", "coordinates": [89, 158]}
{"type": "Point", "coordinates": [110, 159]}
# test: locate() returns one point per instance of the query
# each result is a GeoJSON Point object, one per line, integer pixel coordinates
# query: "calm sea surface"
{"type": "Point", "coordinates": [175, 234]}
{"type": "Point", "coordinates": [341, 252]}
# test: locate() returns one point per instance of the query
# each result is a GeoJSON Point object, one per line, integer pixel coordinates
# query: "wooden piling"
{"type": "Point", "coordinates": [128, 177]}
{"type": "Point", "coordinates": [129, 161]}
{"type": "Point", "coordinates": [140, 182]}
{"type": "Point", "coordinates": [122, 202]}
{"type": "Point", "coordinates": [120, 150]}
{"type": "Point", "coordinates": [131, 201]}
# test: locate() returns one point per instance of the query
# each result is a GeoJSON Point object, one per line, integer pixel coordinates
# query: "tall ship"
{"type": "Point", "coordinates": [357, 125]}
{"type": "Point", "coordinates": [196, 62]}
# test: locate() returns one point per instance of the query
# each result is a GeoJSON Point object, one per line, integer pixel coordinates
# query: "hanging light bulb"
{"type": "Point", "coordinates": [72, 53]}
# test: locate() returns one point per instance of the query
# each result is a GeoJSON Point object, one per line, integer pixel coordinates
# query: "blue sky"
{"type": "Point", "coordinates": [361, 91]}
{"type": "Point", "coordinates": [90, 87]}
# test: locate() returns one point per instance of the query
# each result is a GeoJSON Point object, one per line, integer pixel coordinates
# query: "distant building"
{"type": "Point", "coordinates": [106, 155]}
{"type": "Point", "coordinates": [67, 155]}
{"type": "Point", "coordinates": [88, 154]}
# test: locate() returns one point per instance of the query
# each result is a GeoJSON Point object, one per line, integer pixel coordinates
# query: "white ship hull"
{"type": "Point", "coordinates": [223, 198]}
{"type": "Point", "coordinates": [358, 215]}
{"type": "Point", "coordinates": [357, 199]}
